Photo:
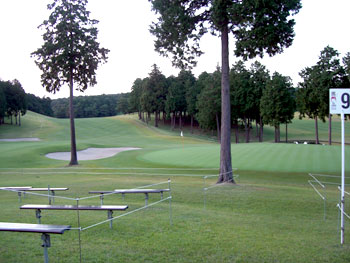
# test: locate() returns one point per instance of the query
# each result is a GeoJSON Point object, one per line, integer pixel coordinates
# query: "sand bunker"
{"type": "Point", "coordinates": [90, 153]}
{"type": "Point", "coordinates": [20, 140]}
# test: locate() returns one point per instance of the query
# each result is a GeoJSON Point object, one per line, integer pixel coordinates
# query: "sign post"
{"type": "Point", "coordinates": [339, 103]}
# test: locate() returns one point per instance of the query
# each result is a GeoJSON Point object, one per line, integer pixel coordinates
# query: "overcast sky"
{"type": "Point", "coordinates": [123, 29]}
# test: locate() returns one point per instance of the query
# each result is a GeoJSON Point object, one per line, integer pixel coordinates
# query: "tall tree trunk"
{"type": "Point", "coordinates": [236, 131]}
{"type": "Point", "coordinates": [73, 147]}
{"type": "Point", "coordinates": [225, 149]}
{"type": "Point", "coordinates": [330, 129]}
{"type": "Point", "coordinates": [246, 129]}
{"type": "Point", "coordinates": [316, 130]}
{"type": "Point", "coordinates": [275, 133]}
{"type": "Point", "coordinates": [191, 123]}
{"type": "Point", "coordinates": [279, 133]}
{"type": "Point", "coordinates": [218, 127]}
{"type": "Point", "coordinates": [19, 118]}
{"type": "Point", "coordinates": [180, 121]}
{"type": "Point", "coordinates": [261, 134]}
{"type": "Point", "coordinates": [140, 115]}
{"type": "Point", "coordinates": [173, 121]}
{"type": "Point", "coordinates": [163, 117]}
{"type": "Point", "coordinates": [286, 132]}
{"type": "Point", "coordinates": [249, 123]}
{"type": "Point", "coordinates": [156, 119]}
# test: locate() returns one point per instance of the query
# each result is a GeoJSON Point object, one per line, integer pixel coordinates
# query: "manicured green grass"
{"type": "Point", "coordinates": [271, 215]}
{"type": "Point", "coordinates": [257, 157]}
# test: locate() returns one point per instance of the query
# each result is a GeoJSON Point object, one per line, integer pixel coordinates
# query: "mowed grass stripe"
{"type": "Point", "coordinates": [256, 157]}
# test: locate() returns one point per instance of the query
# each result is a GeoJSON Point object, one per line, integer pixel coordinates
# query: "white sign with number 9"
{"type": "Point", "coordinates": [339, 101]}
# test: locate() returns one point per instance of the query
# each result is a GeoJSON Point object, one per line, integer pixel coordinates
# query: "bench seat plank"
{"type": "Point", "coordinates": [16, 188]}
{"type": "Point", "coordinates": [74, 207]}
{"type": "Point", "coordinates": [101, 192]}
{"type": "Point", "coordinates": [34, 228]}
{"type": "Point", "coordinates": [141, 191]}
{"type": "Point", "coordinates": [130, 191]}
{"type": "Point", "coordinates": [46, 189]}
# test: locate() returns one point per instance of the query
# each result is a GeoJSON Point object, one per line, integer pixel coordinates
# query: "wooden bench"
{"type": "Point", "coordinates": [131, 191]}
{"type": "Point", "coordinates": [45, 230]}
{"type": "Point", "coordinates": [108, 208]}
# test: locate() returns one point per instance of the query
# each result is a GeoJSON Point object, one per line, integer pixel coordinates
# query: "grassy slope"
{"type": "Point", "coordinates": [162, 147]}
{"type": "Point", "coordinates": [272, 215]}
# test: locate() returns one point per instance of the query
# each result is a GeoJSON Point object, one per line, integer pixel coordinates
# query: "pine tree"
{"type": "Point", "coordinates": [70, 53]}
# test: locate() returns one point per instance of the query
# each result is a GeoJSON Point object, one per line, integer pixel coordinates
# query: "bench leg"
{"type": "Point", "coordinates": [38, 215]}
{"type": "Point", "coordinates": [19, 197]}
{"type": "Point", "coordinates": [49, 194]}
{"type": "Point", "coordinates": [46, 243]}
{"type": "Point", "coordinates": [101, 198]}
{"type": "Point", "coordinates": [146, 199]}
{"type": "Point", "coordinates": [110, 216]}
{"type": "Point", "coordinates": [52, 198]}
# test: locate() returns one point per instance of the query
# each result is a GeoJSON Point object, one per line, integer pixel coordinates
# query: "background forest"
{"type": "Point", "coordinates": [257, 97]}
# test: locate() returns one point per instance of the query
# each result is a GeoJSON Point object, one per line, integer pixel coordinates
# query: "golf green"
{"type": "Point", "coordinates": [256, 157]}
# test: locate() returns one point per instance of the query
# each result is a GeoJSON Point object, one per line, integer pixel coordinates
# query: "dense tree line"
{"type": "Point", "coordinates": [256, 96]}
{"type": "Point", "coordinates": [84, 106]}
{"type": "Point", "coordinates": [13, 101]}
{"type": "Point", "coordinates": [313, 93]}
{"type": "Point", "coordinates": [200, 98]}
{"type": "Point", "coordinates": [39, 105]}
{"type": "Point", "coordinates": [91, 106]}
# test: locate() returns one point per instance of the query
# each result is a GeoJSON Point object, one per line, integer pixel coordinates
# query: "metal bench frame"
{"type": "Point", "coordinates": [131, 191]}
{"type": "Point", "coordinates": [108, 208]}
{"type": "Point", "coordinates": [45, 230]}
{"type": "Point", "coordinates": [24, 189]}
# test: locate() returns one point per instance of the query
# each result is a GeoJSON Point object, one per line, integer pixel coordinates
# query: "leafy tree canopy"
{"type": "Point", "coordinates": [313, 95]}
{"type": "Point", "coordinates": [277, 102]}
{"type": "Point", "coordinates": [70, 50]}
{"type": "Point", "coordinates": [346, 61]}
{"type": "Point", "coordinates": [258, 26]}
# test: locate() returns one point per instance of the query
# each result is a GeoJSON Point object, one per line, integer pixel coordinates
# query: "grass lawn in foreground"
{"type": "Point", "coordinates": [271, 215]}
